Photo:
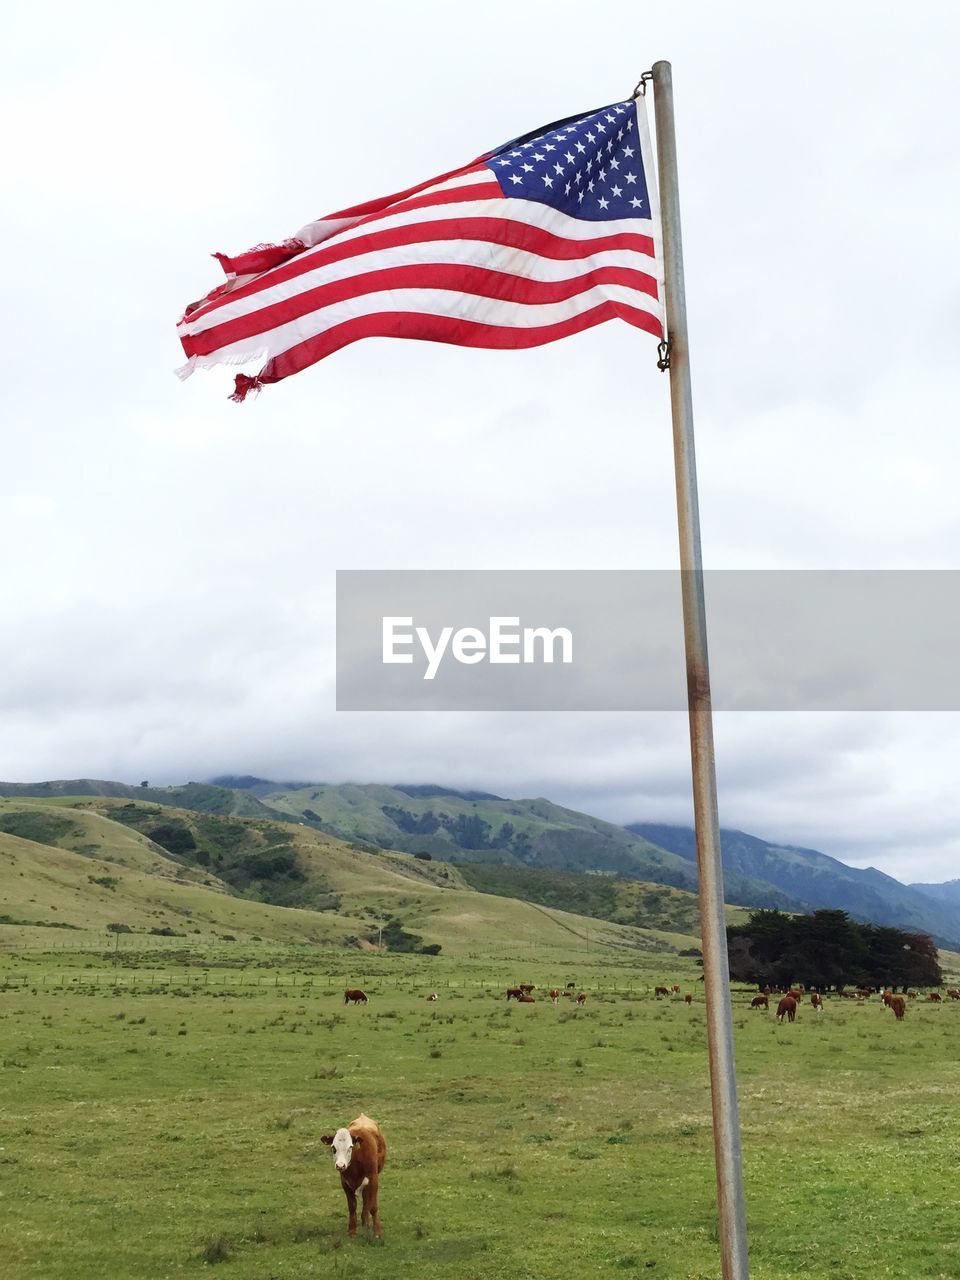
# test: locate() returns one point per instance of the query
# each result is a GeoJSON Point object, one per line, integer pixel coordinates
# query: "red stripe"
{"type": "Point", "coordinates": [461, 333]}
{"type": "Point", "coordinates": [498, 231]}
{"type": "Point", "coordinates": [266, 256]}
{"type": "Point", "coordinates": [476, 281]}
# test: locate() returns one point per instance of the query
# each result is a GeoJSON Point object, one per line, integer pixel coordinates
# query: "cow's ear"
{"type": "Point", "coordinates": [327, 1139]}
{"type": "Point", "coordinates": [357, 1139]}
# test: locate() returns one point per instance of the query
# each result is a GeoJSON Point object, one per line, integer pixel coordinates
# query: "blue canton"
{"type": "Point", "coordinates": [589, 167]}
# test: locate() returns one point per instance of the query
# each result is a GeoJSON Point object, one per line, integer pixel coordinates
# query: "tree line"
{"type": "Point", "coordinates": [827, 950]}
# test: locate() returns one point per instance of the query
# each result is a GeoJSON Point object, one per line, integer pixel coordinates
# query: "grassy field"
{"type": "Point", "coordinates": [161, 1114]}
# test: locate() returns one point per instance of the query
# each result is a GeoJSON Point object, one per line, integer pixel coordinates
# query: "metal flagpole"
{"type": "Point", "coordinates": [723, 1080]}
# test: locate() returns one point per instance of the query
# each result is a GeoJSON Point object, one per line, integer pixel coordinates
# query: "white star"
{"type": "Point", "coordinates": [566, 189]}
{"type": "Point", "coordinates": [636, 204]}
{"type": "Point", "coordinates": [502, 162]}
{"type": "Point", "coordinates": [549, 147]}
{"type": "Point", "coordinates": [514, 153]}
{"type": "Point", "coordinates": [631, 178]}
{"type": "Point", "coordinates": [628, 152]}
{"type": "Point", "coordinates": [602, 128]}
{"type": "Point", "coordinates": [538, 156]}
{"type": "Point", "coordinates": [620, 110]}
{"type": "Point", "coordinates": [610, 145]}
{"type": "Point", "coordinates": [580, 147]}
{"type": "Point", "coordinates": [610, 119]}
{"type": "Point", "coordinates": [616, 191]}
{"type": "Point", "coordinates": [629, 125]}
{"type": "Point", "coordinates": [603, 203]}
{"type": "Point", "coordinates": [590, 185]}
{"type": "Point", "coordinates": [548, 180]}
{"type": "Point", "coordinates": [568, 157]}
{"type": "Point", "coordinates": [579, 197]}
{"type": "Point", "coordinates": [577, 177]}
{"type": "Point", "coordinates": [603, 174]}
{"type": "Point", "coordinates": [515, 177]}
{"type": "Point", "coordinates": [591, 137]}
{"type": "Point", "coordinates": [528, 168]}
{"type": "Point", "coordinates": [614, 162]}
{"type": "Point", "coordinates": [620, 136]}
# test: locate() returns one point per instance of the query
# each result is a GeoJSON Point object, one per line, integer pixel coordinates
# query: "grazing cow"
{"type": "Point", "coordinates": [816, 999]}
{"type": "Point", "coordinates": [433, 996]}
{"type": "Point", "coordinates": [360, 1152]}
{"type": "Point", "coordinates": [796, 993]}
{"type": "Point", "coordinates": [788, 1007]}
{"type": "Point", "coordinates": [935, 997]}
{"type": "Point", "coordinates": [688, 998]}
{"type": "Point", "coordinates": [526, 998]}
{"type": "Point", "coordinates": [660, 991]}
{"type": "Point", "coordinates": [898, 1005]}
{"type": "Point", "coordinates": [353, 995]}
{"type": "Point", "coordinates": [911, 995]}
{"type": "Point", "coordinates": [571, 984]}
{"type": "Point", "coordinates": [953, 993]}
{"type": "Point", "coordinates": [760, 1002]}
{"type": "Point", "coordinates": [527, 987]}
{"type": "Point", "coordinates": [675, 988]}
{"type": "Point", "coordinates": [582, 998]}
{"type": "Point", "coordinates": [554, 994]}
{"type": "Point", "coordinates": [514, 993]}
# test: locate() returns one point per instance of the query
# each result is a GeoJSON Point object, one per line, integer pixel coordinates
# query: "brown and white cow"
{"type": "Point", "coordinates": [571, 985]}
{"type": "Point", "coordinates": [688, 998]}
{"type": "Point", "coordinates": [360, 1152]}
{"type": "Point", "coordinates": [526, 998]}
{"type": "Point", "coordinates": [953, 993]}
{"type": "Point", "coordinates": [817, 1001]}
{"type": "Point", "coordinates": [554, 994]}
{"type": "Point", "coordinates": [675, 988]}
{"type": "Point", "coordinates": [514, 993]}
{"type": "Point", "coordinates": [660, 991]}
{"type": "Point", "coordinates": [433, 996]}
{"type": "Point", "coordinates": [787, 1008]}
{"type": "Point", "coordinates": [353, 995]}
{"type": "Point", "coordinates": [796, 994]}
{"type": "Point", "coordinates": [935, 997]}
{"type": "Point", "coordinates": [898, 1005]}
{"type": "Point", "coordinates": [760, 1002]}
{"type": "Point", "coordinates": [527, 987]}
{"type": "Point", "coordinates": [582, 998]}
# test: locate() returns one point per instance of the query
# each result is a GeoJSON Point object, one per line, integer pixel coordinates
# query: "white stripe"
{"type": "Point", "coordinates": [433, 302]}
{"type": "Point", "coordinates": [465, 253]}
{"type": "Point", "coordinates": [525, 212]}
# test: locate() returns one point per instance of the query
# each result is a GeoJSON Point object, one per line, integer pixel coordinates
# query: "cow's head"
{"type": "Point", "coordinates": [343, 1143]}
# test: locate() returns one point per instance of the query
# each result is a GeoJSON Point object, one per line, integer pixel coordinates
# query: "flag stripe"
{"type": "Point", "coordinates": [451, 329]}
{"type": "Point", "coordinates": [517, 232]}
{"type": "Point", "coordinates": [467, 253]}
{"type": "Point", "coordinates": [474, 281]}
{"type": "Point", "coordinates": [428, 302]}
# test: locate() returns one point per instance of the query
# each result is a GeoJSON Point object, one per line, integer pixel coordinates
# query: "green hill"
{"type": "Point", "coordinates": [87, 862]}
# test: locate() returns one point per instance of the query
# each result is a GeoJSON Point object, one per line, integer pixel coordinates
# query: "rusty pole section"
{"type": "Point", "coordinates": [723, 1079]}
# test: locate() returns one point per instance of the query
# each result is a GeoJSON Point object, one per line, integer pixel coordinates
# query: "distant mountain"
{"type": "Point", "coordinates": [817, 880]}
{"type": "Point", "coordinates": [949, 891]}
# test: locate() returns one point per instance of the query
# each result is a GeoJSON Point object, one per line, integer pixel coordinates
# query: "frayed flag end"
{"type": "Point", "coordinates": [243, 385]}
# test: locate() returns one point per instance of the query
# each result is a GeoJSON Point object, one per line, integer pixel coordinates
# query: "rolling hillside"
{"type": "Point", "coordinates": [92, 861]}
{"type": "Point", "coordinates": [472, 826]}
{"type": "Point", "coordinates": [818, 880]}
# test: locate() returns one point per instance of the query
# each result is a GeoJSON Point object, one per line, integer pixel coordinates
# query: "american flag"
{"type": "Point", "coordinates": [548, 235]}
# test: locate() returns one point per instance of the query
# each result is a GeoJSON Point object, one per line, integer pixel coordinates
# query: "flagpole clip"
{"type": "Point", "coordinates": [663, 356]}
{"type": "Point", "coordinates": [641, 89]}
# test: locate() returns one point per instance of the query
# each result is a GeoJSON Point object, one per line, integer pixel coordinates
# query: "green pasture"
{"type": "Point", "coordinates": [161, 1115]}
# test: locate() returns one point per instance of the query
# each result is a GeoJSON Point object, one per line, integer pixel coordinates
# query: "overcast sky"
{"type": "Point", "coordinates": [170, 557]}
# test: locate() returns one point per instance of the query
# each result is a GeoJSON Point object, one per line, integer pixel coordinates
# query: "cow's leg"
{"type": "Point", "coordinates": [352, 1210]}
{"type": "Point", "coordinates": [365, 1192]}
{"type": "Point", "coordinates": [370, 1203]}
